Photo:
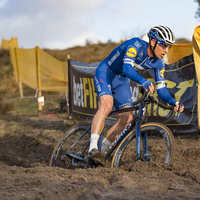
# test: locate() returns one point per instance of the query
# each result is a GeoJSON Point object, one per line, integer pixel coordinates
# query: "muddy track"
{"type": "Point", "coordinates": [26, 144]}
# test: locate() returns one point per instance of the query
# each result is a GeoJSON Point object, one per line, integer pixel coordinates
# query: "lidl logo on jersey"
{"type": "Point", "coordinates": [131, 52]}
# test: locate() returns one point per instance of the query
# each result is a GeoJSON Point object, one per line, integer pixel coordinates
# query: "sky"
{"type": "Point", "coordinates": [61, 24]}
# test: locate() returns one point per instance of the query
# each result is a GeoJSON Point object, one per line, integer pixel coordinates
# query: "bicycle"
{"type": "Point", "coordinates": [72, 149]}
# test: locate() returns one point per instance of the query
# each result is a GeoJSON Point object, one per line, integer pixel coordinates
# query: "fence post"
{"type": "Point", "coordinates": [67, 96]}
{"type": "Point", "coordinates": [18, 75]}
{"type": "Point", "coordinates": [39, 94]}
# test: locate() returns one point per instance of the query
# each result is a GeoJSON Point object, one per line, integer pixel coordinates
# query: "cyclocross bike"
{"type": "Point", "coordinates": [72, 149]}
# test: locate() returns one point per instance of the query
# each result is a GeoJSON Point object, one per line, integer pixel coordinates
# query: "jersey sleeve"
{"type": "Point", "coordinates": [162, 91]}
{"type": "Point", "coordinates": [128, 65]}
{"type": "Point", "coordinates": [130, 72]}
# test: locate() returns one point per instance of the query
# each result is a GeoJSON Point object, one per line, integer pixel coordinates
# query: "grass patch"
{"type": "Point", "coordinates": [24, 106]}
{"type": "Point", "coordinates": [5, 106]}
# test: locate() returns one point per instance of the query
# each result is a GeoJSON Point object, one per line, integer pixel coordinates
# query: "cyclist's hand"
{"type": "Point", "coordinates": [176, 108]}
{"type": "Point", "coordinates": [148, 85]}
{"type": "Point", "coordinates": [151, 88]}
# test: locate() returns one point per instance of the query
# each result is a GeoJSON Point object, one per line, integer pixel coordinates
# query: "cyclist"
{"type": "Point", "coordinates": [112, 82]}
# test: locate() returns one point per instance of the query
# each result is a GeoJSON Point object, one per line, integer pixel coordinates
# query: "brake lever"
{"type": "Point", "coordinates": [147, 93]}
{"type": "Point", "coordinates": [180, 105]}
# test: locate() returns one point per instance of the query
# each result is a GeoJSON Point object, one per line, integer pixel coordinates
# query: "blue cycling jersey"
{"type": "Point", "coordinates": [130, 57]}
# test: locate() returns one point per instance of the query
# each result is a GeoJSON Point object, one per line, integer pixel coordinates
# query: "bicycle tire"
{"type": "Point", "coordinates": [158, 136]}
{"type": "Point", "coordinates": [67, 144]}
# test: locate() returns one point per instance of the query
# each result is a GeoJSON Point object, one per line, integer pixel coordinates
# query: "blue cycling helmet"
{"type": "Point", "coordinates": [162, 34]}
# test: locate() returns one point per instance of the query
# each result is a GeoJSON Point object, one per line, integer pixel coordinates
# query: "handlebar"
{"type": "Point", "coordinates": [154, 100]}
{"type": "Point", "coordinates": [141, 98]}
{"type": "Point", "coordinates": [171, 107]}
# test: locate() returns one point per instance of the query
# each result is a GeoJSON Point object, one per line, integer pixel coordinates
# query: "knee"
{"type": "Point", "coordinates": [105, 103]}
{"type": "Point", "coordinates": [106, 106]}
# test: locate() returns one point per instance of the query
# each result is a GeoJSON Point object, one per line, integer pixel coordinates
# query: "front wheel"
{"type": "Point", "coordinates": [71, 150]}
{"type": "Point", "coordinates": [160, 145]}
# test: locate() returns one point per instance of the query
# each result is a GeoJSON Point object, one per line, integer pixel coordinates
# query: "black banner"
{"type": "Point", "coordinates": [180, 78]}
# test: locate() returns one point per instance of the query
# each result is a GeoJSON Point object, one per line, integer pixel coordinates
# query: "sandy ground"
{"type": "Point", "coordinates": [26, 144]}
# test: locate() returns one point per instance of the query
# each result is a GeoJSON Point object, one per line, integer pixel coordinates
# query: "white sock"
{"type": "Point", "coordinates": [105, 144]}
{"type": "Point", "coordinates": [93, 141]}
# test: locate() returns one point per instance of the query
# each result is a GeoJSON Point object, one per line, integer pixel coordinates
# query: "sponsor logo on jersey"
{"type": "Point", "coordinates": [97, 84]}
{"type": "Point", "coordinates": [113, 58]}
{"type": "Point", "coordinates": [131, 52]}
{"type": "Point", "coordinates": [129, 61]}
{"type": "Point", "coordinates": [109, 87]}
{"type": "Point", "coordinates": [162, 72]}
{"type": "Point", "coordinates": [101, 80]}
{"type": "Point", "coordinates": [137, 44]}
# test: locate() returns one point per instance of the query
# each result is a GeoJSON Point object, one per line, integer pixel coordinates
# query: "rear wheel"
{"type": "Point", "coordinates": [71, 150]}
{"type": "Point", "coordinates": [160, 143]}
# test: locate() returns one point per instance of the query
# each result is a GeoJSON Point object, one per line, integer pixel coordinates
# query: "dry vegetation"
{"type": "Point", "coordinates": [91, 52]}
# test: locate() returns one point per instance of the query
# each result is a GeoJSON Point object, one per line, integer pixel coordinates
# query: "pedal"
{"type": "Point", "coordinates": [147, 157]}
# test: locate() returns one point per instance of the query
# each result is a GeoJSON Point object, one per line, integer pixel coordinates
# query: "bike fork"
{"type": "Point", "coordinates": [138, 123]}
{"type": "Point", "coordinates": [144, 140]}
{"type": "Point", "coordinates": [138, 133]}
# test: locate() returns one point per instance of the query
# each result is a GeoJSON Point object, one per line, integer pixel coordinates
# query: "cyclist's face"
{"type": "Point", "coordinates": [161, 49]}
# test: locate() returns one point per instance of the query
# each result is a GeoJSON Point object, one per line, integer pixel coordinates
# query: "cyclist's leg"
{"type": "Point", "coordinates": [122, 99]}
{"type": "Point", "coordinates": [102, 82]}
{"type": "Point", "coordinates": [118, 127]}
{"type": "Point", "coordinates": [105, 106]}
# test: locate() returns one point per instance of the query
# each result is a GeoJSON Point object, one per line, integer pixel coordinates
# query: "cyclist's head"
{"type": "Point", "coordinates": [162, 34]}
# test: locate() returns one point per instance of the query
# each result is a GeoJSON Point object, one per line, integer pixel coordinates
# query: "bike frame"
{"type": "Point", "coordinates": [120, 137]}
{"type": "Point", "coordinates": [135, 122]}
{"type": "Point", "coordinates": [141, 114]}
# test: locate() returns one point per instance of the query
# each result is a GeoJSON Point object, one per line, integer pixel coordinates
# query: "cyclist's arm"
{"type": "Point", "coordinates": [130, 72]}
{"type": "Point", "coordinates": [129, 68]}
{"type": "Point", "coordinates": [162, 91]}
{"type": "Point", "coordinates": [129, 62]}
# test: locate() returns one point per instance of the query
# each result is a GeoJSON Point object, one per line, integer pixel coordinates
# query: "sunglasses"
{"type": "Point", "coordinates": [165, 46]}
